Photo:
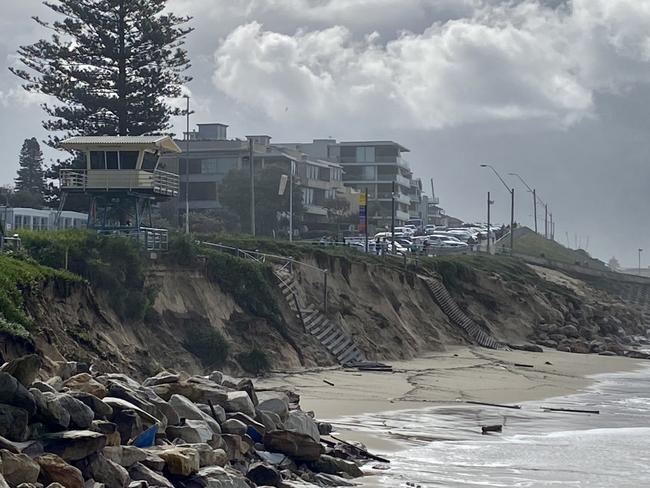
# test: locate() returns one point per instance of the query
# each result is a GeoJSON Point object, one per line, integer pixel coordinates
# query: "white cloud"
{"type": "Point", "coordinates": [504, 61]}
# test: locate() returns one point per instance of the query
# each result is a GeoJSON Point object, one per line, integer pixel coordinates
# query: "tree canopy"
{"type": "Point", "coordinates": [271, 209]}
{"type": "Point", "coordinates": [111, 65]}
{"type": "Point", "coordinates": [30, 182]}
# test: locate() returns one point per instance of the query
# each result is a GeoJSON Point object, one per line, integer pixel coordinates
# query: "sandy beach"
{"type": "Point", "coordinates": [458, 374]}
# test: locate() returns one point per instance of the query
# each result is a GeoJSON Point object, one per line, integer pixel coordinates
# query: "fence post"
{"type": "Point", "coordinates": [325, 290]}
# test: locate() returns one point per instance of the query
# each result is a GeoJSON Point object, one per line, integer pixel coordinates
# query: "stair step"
{"type": "Point", "coordinates": [341, 346]}
{"type": "Point", "coordinates": [334, 345]}
{"type": "Point", "coordinates": [330, 338]}
{"type": "Point", "coordinates": [325, 332]}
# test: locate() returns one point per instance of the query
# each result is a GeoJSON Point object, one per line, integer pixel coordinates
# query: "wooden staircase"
{"type": "Point", "coordinates": [457, 316]}
{"type": "Point", "coordinates": [329, 334]}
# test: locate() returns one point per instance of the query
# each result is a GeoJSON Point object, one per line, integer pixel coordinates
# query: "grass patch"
{"type": "Point", "coordinates": [114, 266]}
{"type": "Point", "coordinates": [20, 276]}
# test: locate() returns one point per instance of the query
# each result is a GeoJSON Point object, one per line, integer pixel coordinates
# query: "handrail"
{"type": "Point", "coordinates": [272, 256]}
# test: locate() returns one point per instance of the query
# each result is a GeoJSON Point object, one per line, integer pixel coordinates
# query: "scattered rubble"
{"type": "Point", "coordinates": [81, 430]}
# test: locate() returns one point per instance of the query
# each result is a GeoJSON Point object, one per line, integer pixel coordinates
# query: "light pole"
{"type": "Point", "coordinates": [489, 204]}
{"type": "Point", "coordinates": [251, 160]}
{"type": "Point", "coordinates": [512, 206]}
{"type": "Point", "coordinates": [392, 218]}
{"type": "Point", "coordinates": [640, 251]}
{"type": "Point", "coordinates": [291, 200]}
{"type": "Point", "coordinates": [534, 192]}
{"type": "Point", "coordinates": [187, 166]}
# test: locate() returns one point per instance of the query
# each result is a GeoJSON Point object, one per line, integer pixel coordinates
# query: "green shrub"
{"type": "Point", "coordinates": [248, 282]}
{"type": "Point", "coordinates": [16, 277]}
{"type": "Point", "coordinates": [182, 249]}
{"type": "Point", "coordinates": [207, 344]}
{"type": "Point", "coordinates": [113, 265]}
{"type": "Point", "coordinates": [254, 361]}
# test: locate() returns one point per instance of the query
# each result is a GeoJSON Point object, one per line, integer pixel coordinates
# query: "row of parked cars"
{"type": "Point", "coordinates": [427, 240]}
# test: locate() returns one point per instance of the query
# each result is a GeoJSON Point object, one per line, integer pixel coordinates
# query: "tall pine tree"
{"type": "Point", "coordinates": [30, 183]}
{"type": "Point", "coordinates": [112, 65]}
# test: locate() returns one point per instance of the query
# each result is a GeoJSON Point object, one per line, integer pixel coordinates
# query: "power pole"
{"type": "Point", "coordinates": [640, 251]}
{"type": "Point", "coordinates": [489, 203]}
{"type": "Point", "coordinates": [392, 218]}
{"type": "Point", "coordinates": [367, 219]}
{"type": "Point", "coordinates": [252, 172]}
{"type": "Point", "coordinates": [512, 220]}
{"type": "Point", "coordinates": [535, 208]}
{"type": "Point", "coordinates": [291, 201]}
{"type": "Point", "coordinates": [187, 168]}
{"type": "Point", "coordinates": [546, 221]}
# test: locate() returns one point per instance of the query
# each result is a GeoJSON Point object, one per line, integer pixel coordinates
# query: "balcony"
{"type": "Point", "coordinates": [316, 210]}
{"type": "Point", "coordinates": [83, 180]}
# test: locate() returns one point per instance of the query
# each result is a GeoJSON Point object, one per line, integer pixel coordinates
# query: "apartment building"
{"type": "Point", "coordinates": [209, 155]}
{"type": "Point", "coordinates": [17, 218]}
{"type": "Point", "coordinates": [373, 166]}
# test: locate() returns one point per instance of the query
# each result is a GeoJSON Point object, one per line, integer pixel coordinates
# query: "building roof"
{"type": "Point", "coordinates": [374, 143]}
{"type": "Point", "coordinates": [162, 143]}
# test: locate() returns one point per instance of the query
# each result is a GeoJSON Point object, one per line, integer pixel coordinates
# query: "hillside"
{"type": "Point", "coordinates": [198, 309]}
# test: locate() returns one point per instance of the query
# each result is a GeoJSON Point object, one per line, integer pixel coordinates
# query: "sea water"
{"type": "Point", "coordinates": [443, 446]}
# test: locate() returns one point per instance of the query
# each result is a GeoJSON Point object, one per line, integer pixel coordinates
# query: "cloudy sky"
{"type": "Point", "coordinates": [556, 90]}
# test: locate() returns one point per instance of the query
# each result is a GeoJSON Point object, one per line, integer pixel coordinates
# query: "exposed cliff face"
{"type": "Point", "coordinates": [388, 311]}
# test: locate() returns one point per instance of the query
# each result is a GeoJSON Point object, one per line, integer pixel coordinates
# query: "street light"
{"type": "Point", "coordinates": [640, 251]}
{"type": "Point", "coordinates": [512, 206]}
{"type": "Point", "coordinates": [187, 166]}
{"type": "Point", "coordinates": [534, 192]}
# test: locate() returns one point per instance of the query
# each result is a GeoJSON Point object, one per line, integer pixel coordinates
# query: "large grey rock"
{"type": "Point", "coordinates": [216, 477]}
{"type": "Point", "coordinates": [106, 471]}
{"type": "Point", "coordinates": [263, 475]}
{"type": "Point", "coordinates": [186, 409]}
{"type": "Point", "coordinates": [162, 378]}
{"type": "Point", "coordinates": [44, 387]}
{"type": "Point", "coordinates": [270, 420]}
{"type": "Point", "coordinates": [137, 398]}
{"type": "Point", "coordinates": [294, 444]}
{"type": "Point", "coordinates": [100, 409]}
{"type": "Point", "coordinates": [234, 426]}
{"type": "Point", "coordinates": [118, 404]}
{"type": "Point", "coordinates": [196, 392]}
{"type": "Point", "coordinates": [24, 369]}
{"type": "Point", "coordinates": [128, 424]}
{"type": "Point", "coordinates": [239, 401]}
{"type": "Point", "coordinates": [301, 422]}
{"type": "Point", "coordinates": [84, 382]}
{"type": "Point", "coordinates": [14, 393]}
{"type": "Point", "coordinates": [125, 456]}
{"type": "Point", "coordinates": [278, 405]}
{"type": "Point", "coordinates": [81, 416]}
{"type": "Point", "coordinates": [161, 405]}
{"type": "Point", "coordinates": [247, 386]}
{"type": "Point", "coordinates": [139, 472]}
{"type": "Point", "coordinates": [332, 465]}
{"type": "Point", "coordinates": [74, 445]}
{"type": "Point", "coordinates": [14, 423]}
{"type": "Point", "coordinates": [18, 468]}
{"type": "Point", "coordinates": [193, 432]}
{"type": "Point", "coordinates": [3, 483]}
{"type": "Point", "coordinates": [50, 411]}
{"type": "Point", "coordinates": [219, 412]}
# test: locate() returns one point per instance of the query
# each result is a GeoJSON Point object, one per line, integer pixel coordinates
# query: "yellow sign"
{"type": "Point", "coordinates": [362, 199]}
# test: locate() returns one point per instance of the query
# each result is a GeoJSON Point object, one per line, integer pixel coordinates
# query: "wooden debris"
{"type": "Point", "coordinates": [513, 407]}
{"type": "Point", "coordinates": [485, 429]}
{"type": "Point", "coordinates": [329, 383]}
{"type": "Point", "coordinates": [524, 365]}
{"type": "Point", "coordinates": [570, 410]}
{"type": "Point", "coordinates": [361, 452]}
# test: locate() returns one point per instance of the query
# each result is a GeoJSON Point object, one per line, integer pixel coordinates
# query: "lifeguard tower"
{"type": "Point", "coordinates": [123, 178]}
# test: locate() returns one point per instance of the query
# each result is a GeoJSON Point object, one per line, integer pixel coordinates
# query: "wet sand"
{"type": "Point", "coordinates": [456, 375]}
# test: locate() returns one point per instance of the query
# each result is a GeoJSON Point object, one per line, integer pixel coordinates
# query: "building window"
{"type": "Point", "coordinates": [312, 172]}
{"type": "Point", "coordinates": [224, 165]}
{"type": "Point", "coordinates": [308, 196]}
{"type": "Point", "coordinates": [365, 154]}
{"type": "Point", "coordinates": [97, 160]}
{"type": "Point", "coordinates": [149, 161]}
{"type": "Point", "coordinates": [128, 159]}
{"type": "Point", "coordinates": [209, 166]}
{"type": "Point", "coordinates": [112, 160]}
